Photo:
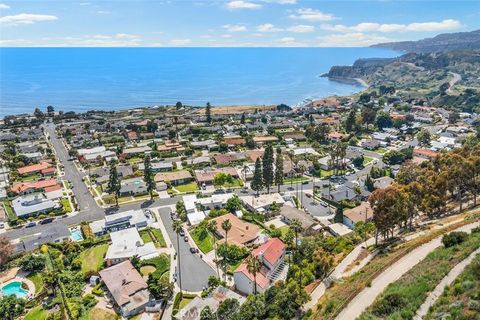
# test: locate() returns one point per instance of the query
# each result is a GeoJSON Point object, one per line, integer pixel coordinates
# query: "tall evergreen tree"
{"type": "Point", "coordinates": [350, 121]}
{"type": "Point", "coordinates": [257, 181]}
{"type": "Point", "coordinates": [208, 112]}
{"type": "Point", "coordinates": [114, 186]}
{"type": "Point", "coordinates": [242, 119]}
{"type": "Point", "coordinates": [267, 162]}
{"type": "Point", "coordinates": [148, 176]}
{"type": "Point", "coordinates": [279, 169]}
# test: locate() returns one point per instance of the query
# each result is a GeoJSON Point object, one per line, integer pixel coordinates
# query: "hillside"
{"type": "Point", "coordinates": [441, 43]}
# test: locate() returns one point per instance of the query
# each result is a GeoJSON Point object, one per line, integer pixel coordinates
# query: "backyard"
{"type": "Point", "coordinates": [203, 239]}
{"type": "Point", "coordinates": [92, 258]}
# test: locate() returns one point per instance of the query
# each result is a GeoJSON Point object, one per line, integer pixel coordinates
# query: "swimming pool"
{"type": "Point", "coordinates": [76, 234]}
{"type": "Point", "coordinates": [14, 288]}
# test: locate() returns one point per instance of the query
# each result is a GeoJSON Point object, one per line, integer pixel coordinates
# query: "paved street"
{"type": "Point", "coordinates": [195, 271]}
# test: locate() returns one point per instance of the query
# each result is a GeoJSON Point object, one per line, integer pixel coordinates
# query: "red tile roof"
{"type": "Point", "coordinates": [427, 153]}
{"type": "Point", "coordinates": [34, 168]}
{"type": "Point", "coordinates": [272, 250]}
{"type": "Point", "coordinates": [25, 186]}
{"type": "Point", "coordinates": [262, 281]}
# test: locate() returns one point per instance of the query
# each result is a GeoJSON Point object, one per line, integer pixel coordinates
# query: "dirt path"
{"type": "Point", "coordinates": [449, 278]}
{"type": "Point", "coordinates": [365, 298]}
{"type": "Point", "coordinates": [456, 78]}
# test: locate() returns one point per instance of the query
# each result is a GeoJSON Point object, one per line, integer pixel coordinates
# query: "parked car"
{"type": "Point", "coordinates": [185, 239]}
{"type": "Point", "coordinates": [47, 220]}
{"type": "Point", "coordinates": [2, 225]}
{"type": "Point", "coordinates": [30, 224]}
{"type": "Point", "coordinates": [182, 232]}
{"type": "Point", "coordinates": [193, 250]}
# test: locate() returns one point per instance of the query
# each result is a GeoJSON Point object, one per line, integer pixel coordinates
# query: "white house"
{"type": "Point", "coordinates": [126, 244]}
{"type": "Point", "coordinates": [274, 268]}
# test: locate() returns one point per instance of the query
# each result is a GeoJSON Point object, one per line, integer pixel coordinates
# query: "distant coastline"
{"type": "Point", "coordinates": [82, 79]}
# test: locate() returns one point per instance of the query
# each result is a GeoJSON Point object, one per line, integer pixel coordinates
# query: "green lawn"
{"type": "Point", "coordinates": [66, 205]}
{"type": "Point", "coordinates": [184, 302]}
{"type": "Point", "coordinates": [367, 160]}
{"type": "Point", "coordinates": [36, 313]}
{"type": "Point", "coordinates": [295, 180]}
{"type": "Point", "coordinates": [160, 240]}
{"type": "Point", "coordinates": [205, 245]}
{"type": "Point", "coordinates": [232, 267]}
{"type": "Point", "coordinates": [28, 178]}
{"type": "Point", "coordinates": [284, 230]}
{"type": "Point", "coordinates": [402, 298]}
{"type": "Point", "coordinates": [92, 258]}
{"type": "Point", "coordinates": [8, 208]}
{"type": "Point", "coordinates": [36, 278]}
{"type": "Point", "coordinates": [187, 187]}
{"type": "Point", "coordinates": [145, 236]}
{"type": "Point", "coordinates": [380, 150]}
{"type": "Point", "coordinates": [100, 314]}
{"type": "Point", "coordinates": [237, 183]}
{"type": "Point", "coordinates": [161, 264]}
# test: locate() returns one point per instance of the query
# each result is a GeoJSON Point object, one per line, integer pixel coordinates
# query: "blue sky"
{"type": "Point", "coordinates": [229, 23]}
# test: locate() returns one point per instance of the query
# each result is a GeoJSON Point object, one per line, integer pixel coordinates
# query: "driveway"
{"type": "Point", "coordinates": [194, 271]}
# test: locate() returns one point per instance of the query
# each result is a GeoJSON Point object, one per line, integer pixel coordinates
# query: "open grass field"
{"type": "Point", "coordinates": [36, 278]}
{"type": "Point", "coordinates": [187, 187]}
{"type": "Point", "coordinates": [460, 300]}
{"type": "Point", "coordinates": [411, 290]}
{"type": "Point", "coordinates": [92, 258]}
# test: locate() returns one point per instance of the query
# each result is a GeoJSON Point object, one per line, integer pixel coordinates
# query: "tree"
{"type": "Point", "coordinates": [242, 119]}
{"type": "Point", "coordinates": [227, 309]}
{"type": "Point", "coordinates": [148, 176]}
{"type": "Point", "coordinates": [233, 204]}
{"type": "Point", "coordinates": [11, 307]}
{"type": "Point", "coordinates": [296, 227]}
{"type": "Point", "coordinates": [177, 227]}
{"type": "Point", "coordinates": [257, 180]}
{"type": "Point", "coordinates": [383, 120]}
{"type": "Point", "coordinates": [350, 121]}
{"type": "Point", "coordinates": [279, 169]}
{"type": "Point", "coordinates": [212, 228]}
{"type": "Point", "coordinates": [207, 314]}
{"type": "Point", "coordinates": [267, 162]}
{"type": "Point", "coordinates": [369, 183]}
{"type": "Point", "coordinates": [38, 113]}
{"type": "Point", "coordinates": [6, 249]}
{"type": "Point", "coordinates": [33, 263]}
{"type": "Point", "coordinates": [160, 287]}
{"type": "Point", "coordinates": [226, 226]}
{"type": "Point", "coordinates": [424, 137]}
{"type": "Point", "coordinates": [453, 117]}
{"type": "Point", "coordinates": [368, 116]}
{"type": "Point", "coordinates": [51, 281]}
{"type": "Point", "coordinates": [323, 262]}
{"type": "Point", "coordinates": [178, 105]}
{"type": "Point", "coordinates": [114, 185]}
{"type": "Point", "coordinates": [208, 113]}
{"type": "Point", "coordinates": [253, 266]}
{"type": "Point", "coordinates": [339, 214]}
{"type": "Point", "coordinates": [50, 109]}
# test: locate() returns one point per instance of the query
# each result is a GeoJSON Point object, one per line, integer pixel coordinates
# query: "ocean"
{"type": "Point", "coordinates": [81, 79]}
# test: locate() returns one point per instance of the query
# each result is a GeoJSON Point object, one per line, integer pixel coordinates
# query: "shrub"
{"type": "Point", "coordinates": [454, 238]}
{"type": "Point", "coordinates": [389, 304]}
{"type": "Point", "coordinates": [89, 301]}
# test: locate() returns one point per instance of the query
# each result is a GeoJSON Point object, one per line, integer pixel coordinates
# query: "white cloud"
{"type": "Point", "coordinates": [234, 28]}
{"type": "Point", "coordinates": [226, 36]}
{"type": "Point", "coordinates": [103, 12]}
{"type": "Point", "coordinates": [240, 4]}
{"type": "Point", "coordinates": [301, 28]}
{"type": "Point", "coordinates": [312, 15]}
{"type": "Point", "coordinates": [4, 6]}
{"type": "Point", "coordinates": [268, 27]}
{"type": "Point", "coordinates": [357, 39]}
{"type": "Point", "coordinates": [281, 1]}
{"type": "Point", "coordinates": [25, 18]}
{"type": "Point", "coordinates": [180, 42]}
{"type": "Point", "coordinates": [126, 36]}
{"type": "Point", "coordinates": [448, 24]}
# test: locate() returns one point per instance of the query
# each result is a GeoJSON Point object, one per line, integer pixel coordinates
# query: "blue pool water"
{"type": "Point", "coordinates": [14, 288]}
{"type": "Point", "coordinates": [81, 79]}
{"type": "Point", "coordinates": [76, 235]}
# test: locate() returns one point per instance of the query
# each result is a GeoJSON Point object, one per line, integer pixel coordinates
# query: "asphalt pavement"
{"type": "Point", "coordinates": [194, 270]}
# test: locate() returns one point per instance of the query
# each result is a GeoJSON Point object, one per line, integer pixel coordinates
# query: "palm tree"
{"type": "Point", "coordinates": [212, 228]}
{"type": "Point", "coordinates": [50, 278]}
{"type": "Point", "coordinates": [226, 226]}
{"type": "Point", "coordinates": [296, 227]}
{"type": "Point", "coordinates": [177, 227]}
{"type": "Point", "coordinates": [253, 266]}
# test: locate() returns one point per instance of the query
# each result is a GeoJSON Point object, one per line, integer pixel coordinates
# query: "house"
{"type": "Point", "coordinates": [121, 220]}
{"type": "Point", "coordinates": [175, 178]}
{"type": "Point", "coordinates": [133, 187]}
{"type": "Point", "coordinates": [208, 144]}
{"type": "Point", "coordinates": [232, 142]}
{"type": "Point", "coordinates": [424, 153]}
{"type": "Point", "coordinates": [335, 136]}
{"type": "Point", "coordinates": [127, 287]}
{"type": "Point", "coordinates": [382, 182]}
{"type": "Point", "coordinates": [126, 244]}
{"type": "Point", "coordinates": [33, 186]}
{"type": "Point", "coordinates": [56, 232]}
{"type": "Point", "coordinates": [193, 309]}
{"type": "Point", "coordinates": [290, 213]}
{"type": "Point", "coordinates": [207, 176]}
{"type": "Point", "coordinates": [264, 139]}
{"type": "Point", "coordinates": [339, 229]}
{"type": "Point", "coordinates": [32, 205]}
{"type": "Point", "coordinates": [191, 202]}
{"type": "Point", "coordinates": [42, 168]}
{"type": "Point", "coordinates": [305, 151]}
{"type": "Point", "coordinates": [272, 257]}
{"type": "Point", "coordinates": [157, 166]}
{"type": "Point", "coordinates": [363, 212]}
{"type": "Point", "coordinates": [33, 156]}
{"type": "Point", "coordinates": [262, 202]}
{"type": "Point", "coordinates": [370, 144]}
{"type": "Point", "coordinates": [224, 159]}
{"type": "Point", "coordinates": [242, 233]}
